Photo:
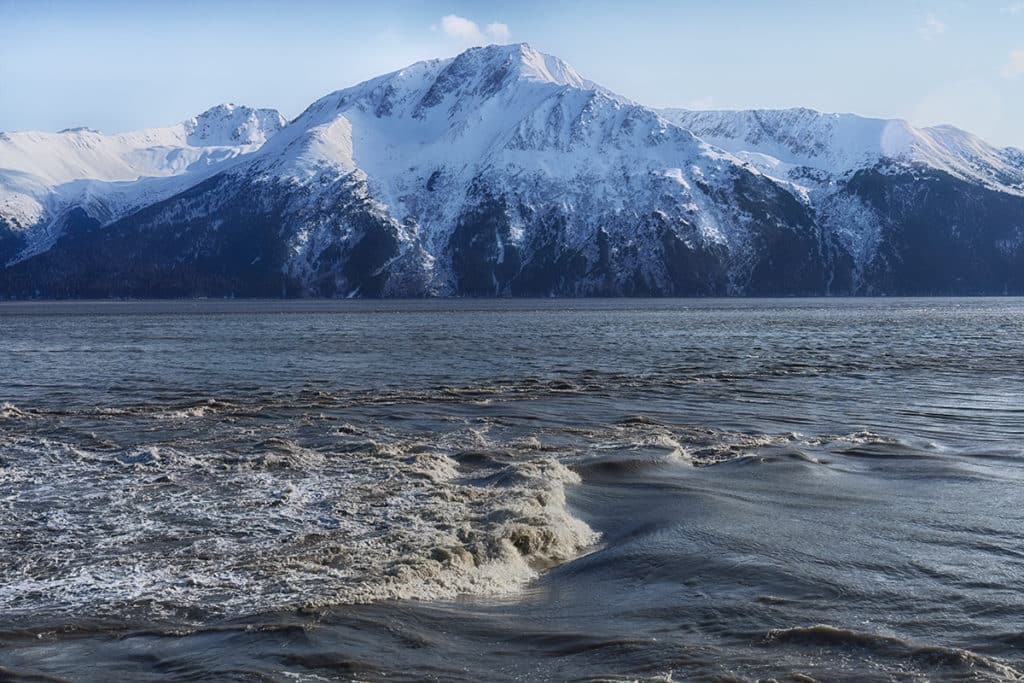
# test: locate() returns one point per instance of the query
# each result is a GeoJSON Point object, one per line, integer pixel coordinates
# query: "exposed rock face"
{"type": "Point", "coordinates": [941, 235]}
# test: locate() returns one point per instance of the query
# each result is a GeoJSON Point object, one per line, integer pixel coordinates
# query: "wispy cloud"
{"type": "Point", "coordinates": [468, 32]}
{"type": "Point", "coordinates": [1015, 67]}
{"type": "Point", "coordinates": [931, 28]}
{"type": "Point", "coordinates": [498, 31]}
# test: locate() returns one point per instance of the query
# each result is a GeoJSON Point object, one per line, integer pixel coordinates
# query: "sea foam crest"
{"type": "Point", "coordinates": [193, 530]}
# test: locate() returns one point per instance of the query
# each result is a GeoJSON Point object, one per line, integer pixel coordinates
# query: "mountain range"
{"type": "Point", "coordinates": [504, 172]}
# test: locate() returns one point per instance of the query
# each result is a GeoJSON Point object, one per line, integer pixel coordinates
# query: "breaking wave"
{"type": "Point", "coordinates": [171, 532]}
{"type": "Point", "coordinates": [9, 411]}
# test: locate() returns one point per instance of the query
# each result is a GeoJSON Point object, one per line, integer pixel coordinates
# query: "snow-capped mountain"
{"type": "Point", "coordinates": [498, 170]}
{"type": "Point", "coordinates": [502, 171]}
{"type": "Point", "coordinates": [46, 176]}
{"type": "Point", "coordinates": [888, 192]}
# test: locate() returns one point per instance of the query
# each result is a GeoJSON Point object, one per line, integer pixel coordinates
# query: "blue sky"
{"type": "Point", "coordinates": [119, 65]}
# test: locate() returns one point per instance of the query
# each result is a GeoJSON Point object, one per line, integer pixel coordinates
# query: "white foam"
{"type": "Point", "coordinates": [278, 526]}
{"type": "Point", "coordinates": [9, 411]}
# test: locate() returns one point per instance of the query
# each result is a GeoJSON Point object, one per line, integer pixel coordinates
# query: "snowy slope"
{"type": "Point", "coordinates": [442, 112]}
{"type": "Point", "coordinates": [778, 141]}
{"type": "Point", "coordinates": [43, 174]}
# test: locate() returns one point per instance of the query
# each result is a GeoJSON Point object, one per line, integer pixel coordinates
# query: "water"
{"type": "Point", "coordinates": [512, 490]}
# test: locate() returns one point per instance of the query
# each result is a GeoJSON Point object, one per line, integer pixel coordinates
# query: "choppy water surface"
{"type": "Point", "coordinates": [512, 490]}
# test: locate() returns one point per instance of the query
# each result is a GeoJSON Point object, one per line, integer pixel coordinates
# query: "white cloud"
{"type": "Point", "coordinates": [931, 28]}
{"type": "Point", "coordinates": [701, 103]}
{"type": "Point", "coordinates": [499, 32]}
{"type": "Point", "coordinates": [461, 28]}
{"type": "Point", "coordinates": [1015, 67]}
{"type": "Point", "coordinates": [467, 32]}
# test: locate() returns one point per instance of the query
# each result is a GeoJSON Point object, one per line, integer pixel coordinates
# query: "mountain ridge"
{"type": "Point", "coordinates": [502, 171]}
{"type": "Point", "coordinates": [44, 177]}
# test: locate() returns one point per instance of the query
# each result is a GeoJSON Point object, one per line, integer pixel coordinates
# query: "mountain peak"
{"type": "Point", "coordinates": [481, 73]}
{"type": "Point", "coordinates": [230, 124]}
{"type": "Point", "coordinates": [458, 83]}
{"type": "Point", "coordinates": [524, 61]}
